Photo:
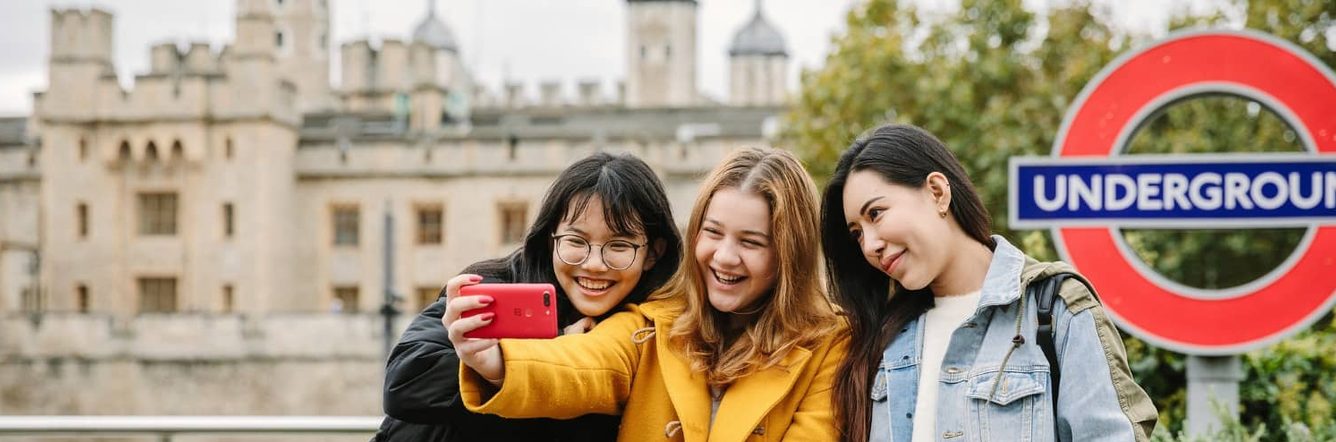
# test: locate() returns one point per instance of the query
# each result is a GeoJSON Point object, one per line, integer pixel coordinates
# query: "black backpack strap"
{"type": "Point", "coordinates": [1045, 293]}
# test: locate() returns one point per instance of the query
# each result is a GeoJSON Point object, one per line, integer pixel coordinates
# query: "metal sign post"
{"type": "Point", "coordinates": [1213, 382]}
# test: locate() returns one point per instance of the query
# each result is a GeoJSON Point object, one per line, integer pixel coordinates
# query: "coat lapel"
{"type": "Point", "coordinates": [686, 389]}
{"type": "Point", "coordinates": [746, 402]}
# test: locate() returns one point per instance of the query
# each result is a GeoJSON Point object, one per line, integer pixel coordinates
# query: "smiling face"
{"type": "Point", "coordinates": [593, 287]}
{"type": "Point", "coordinates": [898, 228]}
{"type": "Point", "coordinates": [733, 252]}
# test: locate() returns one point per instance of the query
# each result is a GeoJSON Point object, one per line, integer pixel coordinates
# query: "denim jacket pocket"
{"type": "Point", "coordinates": [1010, 387]}
{"type": "Point", "coordinates": [1012, 406]}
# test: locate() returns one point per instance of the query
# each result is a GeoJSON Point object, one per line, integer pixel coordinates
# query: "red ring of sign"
{"type": "Point", "coordinates": [1160, 314]}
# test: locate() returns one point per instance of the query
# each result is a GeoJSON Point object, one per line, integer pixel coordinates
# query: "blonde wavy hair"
{"type": "Point", "coordinates": [796, 313]}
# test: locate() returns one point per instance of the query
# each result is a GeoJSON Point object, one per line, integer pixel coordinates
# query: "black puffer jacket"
{"type": "Point", "coordinates": [422, 395]}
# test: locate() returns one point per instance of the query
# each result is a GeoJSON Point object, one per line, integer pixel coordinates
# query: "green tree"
{"type": "Point", "coordinates": [994, 80]}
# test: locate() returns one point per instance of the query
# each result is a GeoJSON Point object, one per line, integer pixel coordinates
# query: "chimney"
{"type": "Point", "coordinates": [514, 94]}
{"type": "Point", "coordinates": [590, 93]}
{"type": "Point", "coordinates": [550, 93]}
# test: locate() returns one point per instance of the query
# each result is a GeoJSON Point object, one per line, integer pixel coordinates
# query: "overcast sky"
{"type": "Point", "coordinates": [520, 40]}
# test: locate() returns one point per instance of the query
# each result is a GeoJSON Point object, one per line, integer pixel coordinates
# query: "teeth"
{"type": "Point", "coordinates": [593, 284]}
{"type": "Point", "coordinates": [727, 279]}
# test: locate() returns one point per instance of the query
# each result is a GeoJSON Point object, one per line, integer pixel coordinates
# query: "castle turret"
{"type": "Point", "coordinates": [81, 58]}
{"type": "Point", "coordinates": [441, 85]}
{"type": "Point", "coordinates": [661, 53]}
{"type": "Point", "coordinates": [295, 33]}
{"type": "Point", "coordinates": [758, 64]}
{"type": "Point", "coordinates": [423, 79]}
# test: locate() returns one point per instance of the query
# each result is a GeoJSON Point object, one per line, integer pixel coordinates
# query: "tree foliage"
{"type": "Point", "coordinates": [993, 80]}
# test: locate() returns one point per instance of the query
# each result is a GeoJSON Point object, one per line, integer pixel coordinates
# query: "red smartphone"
{"type": "Point", "coordinates": [526, 311]}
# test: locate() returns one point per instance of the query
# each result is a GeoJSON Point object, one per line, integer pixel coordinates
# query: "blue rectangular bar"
{"type": "Point", "coordinates": [1183, 191]}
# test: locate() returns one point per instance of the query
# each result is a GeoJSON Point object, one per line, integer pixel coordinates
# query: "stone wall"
{"type": "Point", "coordinates": [192, 364]}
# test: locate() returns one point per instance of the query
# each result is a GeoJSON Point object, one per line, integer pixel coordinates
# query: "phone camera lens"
{"type": "Point", "coordinates": [547, 299]}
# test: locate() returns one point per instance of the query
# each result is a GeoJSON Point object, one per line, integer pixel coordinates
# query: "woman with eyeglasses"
{"type": "Point", "coordinates": [604, 237]}
{"type": "Point", "coordinates": [741, 344]}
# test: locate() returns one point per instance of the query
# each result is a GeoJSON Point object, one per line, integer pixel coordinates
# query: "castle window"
{"type": "Point", "coordinates": [31, 300]}
{"type": "Point", "coordinates": [430, 223]}
{"type": "Point", "coordinates": [229, 302]}
{"type": "Point", "coordinates": [83, 148]}
{"type": "Point", "coordinates": [81, 298]}
{"type": "Point", "coordinates": [644, 52]}
{"type": "Point", "coordinates": [157, 213]}
{"type": "Point", "coordinates": [345, 300]}
{"type": "Point", "coordinates": [667, 51]}
{"type": "Point", "coordinates": [228, 226]}
{"type": "Point", "coordinates": [178, 152]}
{"type": "Point", "coordinates": [346, 225]}
{"type": "Point", "coordinates": [513, 219]}
{"type": "Point", "coordinates": [151, 151]}
{"type": "Point", "coordinates": [426, 296]}
{"type": "Point", "coordinates": [278, 39]}
{"type": "Point", "coordinates": [227, 148]}
{"type": "Point", "coordinates": [157, 295]}
{"type": "Point", "coordinates": [124, 152]}
{"type": "Point", "coordinates": [81, 214]}
{"type": "Point", "coordinates": [512, 149]}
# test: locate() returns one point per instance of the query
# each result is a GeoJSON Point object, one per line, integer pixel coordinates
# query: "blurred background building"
{"type": "Point", "coordinates": [214, 239]}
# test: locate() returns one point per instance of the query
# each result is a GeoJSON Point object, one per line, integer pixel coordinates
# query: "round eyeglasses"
{"type": "Point", "coordinates": [616, 254]}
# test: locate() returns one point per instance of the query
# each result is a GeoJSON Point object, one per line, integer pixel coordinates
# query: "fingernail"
{"type": "Point", "coordinates": [475, 278]}
{"type": "Point", "coordinates": [487, 316]}
{"type": "Point", "coordinates": [485, 299]}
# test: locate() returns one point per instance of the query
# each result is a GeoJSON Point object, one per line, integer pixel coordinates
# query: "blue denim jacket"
{"type": "Point", "coordinates": [984, 395]}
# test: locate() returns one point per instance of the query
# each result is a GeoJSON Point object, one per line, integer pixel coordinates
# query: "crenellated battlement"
{"type": "Point", "coordinates": [184, 82]}
{"type": "Point", "coordinates": [370, 67]}
{"type": "Point", "coordinates": [550, 93]}
{"type": "Point", "coordinates": [198, 58]}
{"type": "Point", "coordinates": [397, 76]}
{"type": "Point", "coordinates": [79, 35]}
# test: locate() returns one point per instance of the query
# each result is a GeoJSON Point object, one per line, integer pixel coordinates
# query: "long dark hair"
{"type": "Point", "coordinates": [903, 155]}
{"type": "Point", "coordinates": [634, 202]}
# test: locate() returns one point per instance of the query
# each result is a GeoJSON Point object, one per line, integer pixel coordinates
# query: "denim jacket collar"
{"type": "Point", "coordinates": [1002, 283]}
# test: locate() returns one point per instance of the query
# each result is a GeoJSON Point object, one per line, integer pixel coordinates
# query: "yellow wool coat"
{"type": "Point", "coordinates": [625, 366]}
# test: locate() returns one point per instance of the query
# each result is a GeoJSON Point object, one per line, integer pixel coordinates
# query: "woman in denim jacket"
{"type": "Point", "coordinates": [943, 338]}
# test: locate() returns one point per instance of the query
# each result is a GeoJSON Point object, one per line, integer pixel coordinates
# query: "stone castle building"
{"type": "Point", "coordinates": [220, 238]}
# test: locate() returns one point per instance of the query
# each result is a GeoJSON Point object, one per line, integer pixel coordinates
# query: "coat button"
{"type": "Point", "coordinates": [952, 370]}
{"type": "Point", "coordinates": [952, 434]}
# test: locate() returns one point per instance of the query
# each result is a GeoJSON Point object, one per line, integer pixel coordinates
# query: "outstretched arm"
{"type": "Point", "coordinates": [559, 378]}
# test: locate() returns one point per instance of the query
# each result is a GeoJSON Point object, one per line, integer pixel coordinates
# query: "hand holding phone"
{"type": "Point", "coordinates": [526, 311]}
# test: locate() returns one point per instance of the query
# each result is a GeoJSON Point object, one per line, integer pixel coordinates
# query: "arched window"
{"type": "Point", "coordinates": [124, 153]}
{"type": "Point", "coordinates": [151, 151]}
{"type": "Point", "coordinates": [177, 151]}
{"type": "Point", "coordinates": [227, 148]}
{"type": "Point", "coordinates": [83, 148]}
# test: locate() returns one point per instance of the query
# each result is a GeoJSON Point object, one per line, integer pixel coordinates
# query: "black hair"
{"type": "Point", "coordinates": [903, 155]}
{"type": "Point", "coordinates": [634, 202]}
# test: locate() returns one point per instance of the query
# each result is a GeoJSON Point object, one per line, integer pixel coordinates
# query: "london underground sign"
{"type": "Point", "coordinates": [1088, 190]}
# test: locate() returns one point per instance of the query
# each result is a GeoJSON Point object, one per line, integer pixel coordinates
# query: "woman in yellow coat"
{"type": "Point", "coordinates": [742, 344]}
